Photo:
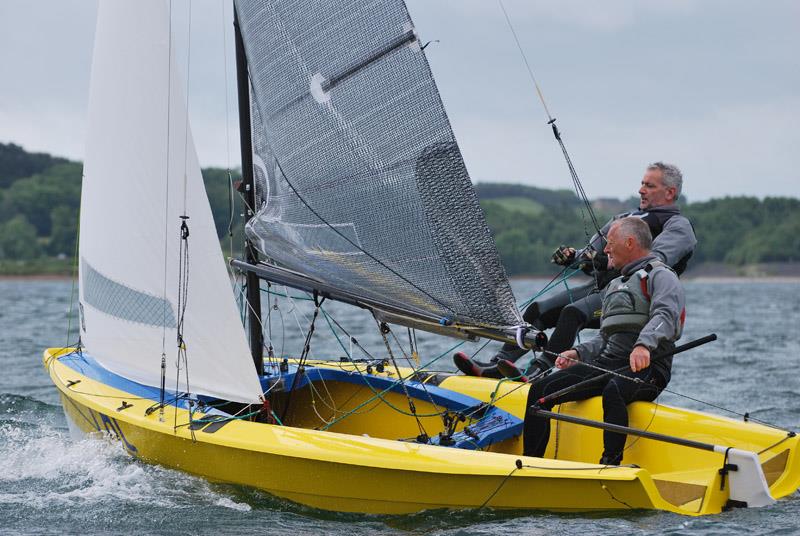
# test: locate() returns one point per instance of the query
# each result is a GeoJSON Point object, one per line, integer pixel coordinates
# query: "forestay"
{"type": "Point", "coordinates": [130, 219]}
{"type": "Point", "coordinates": [361, 183]}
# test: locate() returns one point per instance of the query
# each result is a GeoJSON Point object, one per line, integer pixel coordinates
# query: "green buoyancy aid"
{"type": "Point", "coordinates": [626, 305]}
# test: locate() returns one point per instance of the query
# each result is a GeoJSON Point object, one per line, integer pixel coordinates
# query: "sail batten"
{"type": "Point", "coordinates": [360, 181]}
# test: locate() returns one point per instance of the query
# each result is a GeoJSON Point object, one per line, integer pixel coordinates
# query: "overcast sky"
{"type": "Point", "coordinates": [710, 85]}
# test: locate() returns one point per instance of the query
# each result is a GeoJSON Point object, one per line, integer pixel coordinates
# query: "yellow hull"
{"type": "Point", "coordinates": [358, 465]}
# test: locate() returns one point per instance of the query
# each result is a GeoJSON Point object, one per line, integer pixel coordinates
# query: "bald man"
{"type": "Point", "coordinates": [642, 314]}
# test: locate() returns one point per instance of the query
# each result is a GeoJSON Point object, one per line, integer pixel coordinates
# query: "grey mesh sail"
{"type": "Point", "coordinates": [360, 181]}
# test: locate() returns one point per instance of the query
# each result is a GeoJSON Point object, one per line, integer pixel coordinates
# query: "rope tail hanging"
{"type": "Point", "coordinates": [183, 253]}
{"type": "Point", "coordinates": [183, 294]}
{"type": "Point", "coordinates": [384, 330]}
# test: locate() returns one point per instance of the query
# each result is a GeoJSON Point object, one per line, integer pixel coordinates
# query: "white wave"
{"type": "Point", "coordinates": [44, 467]}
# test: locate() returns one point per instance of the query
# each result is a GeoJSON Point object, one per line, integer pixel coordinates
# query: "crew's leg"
{"type": "Point", "coordinates": [473, 367]}
{"type": "Point", "coordinates": [544, 312]}
{"type": "Point", "coordinates": [536, 431]}
{"type": "Point", "coordinates": [617, 394]}
{"type": "Point", "coordinates": [573, 318]}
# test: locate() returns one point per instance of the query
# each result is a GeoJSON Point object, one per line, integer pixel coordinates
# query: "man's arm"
{"type": "Point", "coordinates": [591, 348]}
{"type": "Point", "coordinates": [676, 240]}
{"type": "Point", "coordinates": [592, 257]}
{"type": "Point", "coordinates": [582, 352]}
{"type": "Point", "coordinates": [598, 241]}
{"type": "Point", "coordinates": [667, 302]}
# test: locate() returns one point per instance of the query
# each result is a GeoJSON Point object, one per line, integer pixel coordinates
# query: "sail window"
{"type": "Point", "coordinates": [124, 302]}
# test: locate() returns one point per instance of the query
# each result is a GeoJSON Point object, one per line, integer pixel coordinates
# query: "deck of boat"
{"type": "Point", "coordinates": [347, 444]}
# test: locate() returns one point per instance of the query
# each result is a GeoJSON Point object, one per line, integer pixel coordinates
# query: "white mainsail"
{"type": "Point", "coordinates": [141, 173]}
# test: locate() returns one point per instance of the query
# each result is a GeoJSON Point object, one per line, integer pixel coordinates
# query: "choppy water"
{"type": "Point", "coordinates": [50, 483]}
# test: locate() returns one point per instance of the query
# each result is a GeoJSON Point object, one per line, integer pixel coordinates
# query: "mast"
{"type": "Point", "coordinates": [248, 185]}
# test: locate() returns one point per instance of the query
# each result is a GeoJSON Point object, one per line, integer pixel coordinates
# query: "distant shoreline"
{"type": "Point", "coordinates": [696, 279]}
{"type": "Point", "coordinates": [689, 278]}
{"type": "Point", "coordinates": [35, 277]}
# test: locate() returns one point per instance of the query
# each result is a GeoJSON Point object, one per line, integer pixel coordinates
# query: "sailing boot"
{"type": "Point", "coordinates": [536, 368]}
{"type": "Point", "coordinates": [511, 371]}
{"type": "Point", "coordinates": [471, 367]}
{"type": "Point", "coordinates": [611, 459]}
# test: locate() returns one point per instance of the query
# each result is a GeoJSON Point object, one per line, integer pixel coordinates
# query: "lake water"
{"type": "Point", "coordinates": [51, 484]}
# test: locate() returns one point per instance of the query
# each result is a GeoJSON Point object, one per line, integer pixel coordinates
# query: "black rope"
{"type": "Point", "coordinates": [552, 122]}
{"type": "Point", "coordinates": [789, 435]}
{"type": "Point", "coordinates": [579, 190]}
{"type": "Point", "coordinates": [350, 337]}
{"type": "Point", "coordinates": [230, 204]}
{"type": "Point", "coordinates": [270, 347]}
{"type": "Point", "coordinates": [575, 179]}
{"type": "Point", "coordinates": [517, 466]}
{"type": "Point", "coordinates": [384, 329]}
{"type": "Point", "coordinates": [304, 355]}
{"type": "Point", "coordinates": [163, 390]}
{"type": "Point", "coordinates": [408, 360]}
{"type": "Point", "coordinates": [183, 294]}
{"type": "Point", "coordinates": [365, 252]}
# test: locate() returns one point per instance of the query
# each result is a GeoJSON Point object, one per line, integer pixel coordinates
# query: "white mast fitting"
{"type": "Point", "coordinates": [138, 155]}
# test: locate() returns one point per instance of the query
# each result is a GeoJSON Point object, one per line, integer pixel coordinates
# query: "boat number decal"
{"type": "Point", "coordinates": [112, 427]}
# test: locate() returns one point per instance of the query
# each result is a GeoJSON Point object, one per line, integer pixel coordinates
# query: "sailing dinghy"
{"type": "Point", "coordinates": [356, 192]}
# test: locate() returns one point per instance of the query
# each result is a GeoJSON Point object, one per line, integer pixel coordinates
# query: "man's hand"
{"type": "Point", "coordinates": [563, 256]}
{"type": "Point", "coordinates": [640, 358]}
{"type": "Point", "coordinates": [567, 358]}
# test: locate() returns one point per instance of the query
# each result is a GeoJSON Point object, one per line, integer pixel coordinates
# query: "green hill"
{"type": "Point", "coordinates": [40, 196]}
{"type": "Point", "coordinates": [516, 204]}
{"type": "Point", "coordinates": [16, 163]}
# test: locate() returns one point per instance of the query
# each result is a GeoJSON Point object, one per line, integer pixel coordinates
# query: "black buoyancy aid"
{"type": "Point", "coordinates": [656, 219]}
{"type": "Point", "coordinates": [626, 304]}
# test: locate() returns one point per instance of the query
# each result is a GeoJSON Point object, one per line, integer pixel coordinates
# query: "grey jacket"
{"type": "Point", "coordinates": [676, 240]}
{"type": "Point", "coordinates": [667, 305]}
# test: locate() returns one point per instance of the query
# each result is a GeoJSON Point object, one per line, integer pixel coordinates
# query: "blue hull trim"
{"type": "Point", "coordinates": [493, 426]}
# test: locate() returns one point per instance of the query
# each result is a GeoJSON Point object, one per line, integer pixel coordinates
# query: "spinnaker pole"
{"type": "Point", "coordinates": [249, 192]}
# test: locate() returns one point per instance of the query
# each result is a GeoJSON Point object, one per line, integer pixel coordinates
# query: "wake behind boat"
{"type": "Point", "coordinates": [356, 191]}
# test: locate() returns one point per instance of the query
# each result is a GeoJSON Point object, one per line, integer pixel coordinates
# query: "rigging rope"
{"type": "Point", "coordinates": [166, 188]}
{"type": "Point", "coordinates": [552, 122]}
{"type": "Point", "coordinates": [411, 365]}
{"type": "Point", "coordinates": [186, 123]}
{"type": "Point", "coordinates": [384, 329]}
{"type": "Point", "coordinates": [494, 398]}
{"type": "Point", "coordinates": [304, 356]}
{"type": "Point", "coordinates": [358, 247]}
{"type": "Point", "coordinates": [183, 294]}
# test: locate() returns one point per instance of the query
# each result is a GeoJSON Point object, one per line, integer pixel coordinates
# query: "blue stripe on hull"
{"type": "Point", "coordinates": [494, 425]}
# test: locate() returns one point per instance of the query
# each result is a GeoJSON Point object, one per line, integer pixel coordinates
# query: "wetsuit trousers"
{"type": "Point", "coordinates": [583, 313]}
{"type": "Point", "coordinates": [567, 316]}
{"type": "Point", "coordinates": [617, 393]}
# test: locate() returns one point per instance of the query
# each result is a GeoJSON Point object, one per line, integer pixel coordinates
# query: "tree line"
{"type": "Point", "coordinates": [40, 197]}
